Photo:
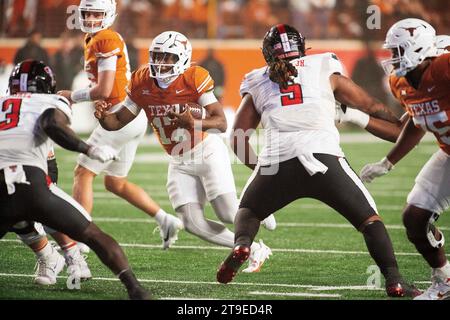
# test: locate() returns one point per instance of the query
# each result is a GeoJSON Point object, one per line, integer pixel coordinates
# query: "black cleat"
{"type": "Point", "coordinates": [232, 263]}
{"type": "Point", "coordinates": [399, 290]}
{"type": "Point", "coordinates": [139, 293]}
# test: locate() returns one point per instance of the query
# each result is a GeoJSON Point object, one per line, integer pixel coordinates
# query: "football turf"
{"type": "Point", "coordinates": [316, 252]}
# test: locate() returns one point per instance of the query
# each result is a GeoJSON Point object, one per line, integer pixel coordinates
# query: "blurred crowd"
{"type": "Point", "coordinates": [229, 19]}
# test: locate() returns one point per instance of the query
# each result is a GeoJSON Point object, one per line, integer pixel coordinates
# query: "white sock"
{"type": "Point", "coordinates": [45, 251]}
{"type": "Point", "coordinates": [72, 250]}
{"type": "Point", "coordinates": [160, 216]}
{"type": "Point", "coordinates": [443, 272]}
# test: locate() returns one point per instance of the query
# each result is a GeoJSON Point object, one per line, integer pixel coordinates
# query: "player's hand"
{"type": "Point", "coordinates": [373, 170]}
{"type": "Point", "coordinates": [184, 119]}
{"type": "Point", "coordinates": [66, 94]}
{"type": "Point", "coordinates": [102, 153]}
{"type": "Point", "coordinates": [101, 109]}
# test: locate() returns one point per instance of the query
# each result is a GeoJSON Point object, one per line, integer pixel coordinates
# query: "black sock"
{"type": "Point", "coordinates": [246, 226]}
{"type": "Point", "coordinates": [128, 279]}
{"type": "Point", "coordinates": [381, 250]}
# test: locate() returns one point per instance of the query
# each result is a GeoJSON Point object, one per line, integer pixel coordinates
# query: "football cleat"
{"type": "Point", "coordinates": [77, 266]}
{"type": "Point", "coordinates": [169, 230]}
{"type": "Point", "coordinates": [439, 290]}
{"type": "Point", "coordinates": [400, 290]}
{"type": "Point", "coordinates": [257, 258]}
{"type": "Point", "coordinates": [232, 263]}
{"type": "Point", "coordinates": [84, 249]}
{"type": "Point", "coordinates": [139, 293]}
{"type": "Point", "coordinates": [269, 223]}
{"type": "Point", "coordinates": [48, 268]}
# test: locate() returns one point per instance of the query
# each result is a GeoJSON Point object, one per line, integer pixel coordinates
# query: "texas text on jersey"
{"type": "Point", "coordinates": [144, 93]}
{"type": "Point", "coordinates": [429, 104]}
{"type": "Point", "coordinates": [102, 45]}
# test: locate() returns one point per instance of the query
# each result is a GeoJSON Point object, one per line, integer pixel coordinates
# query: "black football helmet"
{"type": "Point", "coordinates": [32, 76]}
{"type": "Point", "coordinates": [284, 42]}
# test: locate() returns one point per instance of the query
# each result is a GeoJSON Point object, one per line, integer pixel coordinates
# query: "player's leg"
{"type": "Point", "coordinates": [263, 195]}
{"type": "Point", "coordinates": [116, 182]}
{"type": "Point", "coordinates": [218, 181]}
{"type": "Point", "coordinates": [59, 211]}
{"type": "Point", "coordinates": [341, 189]}
{"type": "Point", "coordinates": [49, 262]}
{"type": "Point", "coordinates": [429, 197]}
{"type": "Point", "coordinates": [72, 254]}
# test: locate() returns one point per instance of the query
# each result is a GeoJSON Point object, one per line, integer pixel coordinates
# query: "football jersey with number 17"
{"type": "Point", "coordinates": [144, 93]}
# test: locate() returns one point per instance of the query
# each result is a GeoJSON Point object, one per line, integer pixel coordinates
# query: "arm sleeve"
{"type": "Point", "coordinates": [63, 105]}
{"type": "Point", "coordinates": [332, 65]}
{"type": "Point", "coordinates": [107, 64]}
{"type": "Point", "coordinates": [207, 98]}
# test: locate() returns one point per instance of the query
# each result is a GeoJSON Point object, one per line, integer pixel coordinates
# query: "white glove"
{"type": "Point", "coordinates": [372, 170]}
{"type": "Point", "coordinates": [346, 114]}
{"type": "Point", "coordinates": [102, 153]}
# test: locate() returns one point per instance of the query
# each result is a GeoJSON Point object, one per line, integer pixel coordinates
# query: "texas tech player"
{"type": "Point", "coordinates": [294, 99]}
{"type": "Point", "coordinates": [199, 167]}
{"type": "Point", "coordinates": [108, 67]}
{"type": "Point", "coordinates": [30, 117]}
{"type": "Point", "coordinates": [420, 80]}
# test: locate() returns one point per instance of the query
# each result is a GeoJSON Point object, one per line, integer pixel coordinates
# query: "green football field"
{"type": "Point", "coordinates": [316, 252]}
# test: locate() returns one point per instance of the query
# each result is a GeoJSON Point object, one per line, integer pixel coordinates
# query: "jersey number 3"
{"type": "Point", "coordinates": [11, 110]}
{"type": "Point", "coordinates": [291, 95]}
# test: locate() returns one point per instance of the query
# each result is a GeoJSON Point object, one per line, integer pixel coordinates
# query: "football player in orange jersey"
{"type": "Point", "coordinates": [420, 80]}
{"type": "Point", "coordinates": [199, 167]}
{"type": "Point", "coordinates": [107, 66]}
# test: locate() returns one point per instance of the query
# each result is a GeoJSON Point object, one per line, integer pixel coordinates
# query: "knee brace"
{"type": "Point", "coordinates": [433, 233]}
{"type": "Point", "coordinates": [421, 230]}
{"type": "Point", "coordinates": [29, 231]}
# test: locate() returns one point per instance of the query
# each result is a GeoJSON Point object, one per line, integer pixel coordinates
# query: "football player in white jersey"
{"type": "Point", "coordinates": [29, 118]}
{"type": "Point", "coordinates": [294, 99]}
{"type": "Point", "coordinates": [108, 68]}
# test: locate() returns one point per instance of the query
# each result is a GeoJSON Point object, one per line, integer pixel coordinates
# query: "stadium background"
{"type": "Point", "coordinates": [317, 255]}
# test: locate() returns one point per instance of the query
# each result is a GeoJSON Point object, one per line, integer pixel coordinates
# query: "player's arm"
{"type": "Point", "coordinates": [56, 125]}
{"type": "Point", "coordinates": [349, 93]}
{"type": "Point", "coordinates": [408, 139]}
{"type": "Point", "coordinates": [112, 121]}
{"type": "Point", "coordinates": [380, 128]}
{"type": "Point", "coordinates": [216, 117]}
{"type": "Point", "coordinates": [245, 123]}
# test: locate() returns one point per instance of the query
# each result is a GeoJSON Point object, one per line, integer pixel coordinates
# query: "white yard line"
{"type": "Point", "coordinates": [295, 294]}
{"type": "Point", "coordinates": [154, 246]}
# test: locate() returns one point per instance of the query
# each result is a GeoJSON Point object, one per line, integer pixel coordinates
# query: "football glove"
{"type": "Point", "coordinates": [102, 153]}
{"type": "Point", "coordinates": [373, 170]}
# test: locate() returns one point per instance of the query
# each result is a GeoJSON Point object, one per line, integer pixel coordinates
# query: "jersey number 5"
{"type": "Point", "coordinates": [11, 109]}
{"type": "Point", "coordinates": [291, 95]}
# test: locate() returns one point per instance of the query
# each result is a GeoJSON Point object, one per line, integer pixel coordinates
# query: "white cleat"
{"type": "Point", "coordinates": [439, 290]}
{"type": "Point", "coordinates": [269, 223]}
{"type": "Point", "coordinates": [169, 230]}
{"type": "Point", "coordinates": [257, 258]}
{"type": "Point", "coordinates": [48, 268]}
{"type": "Point", "coordinates": [77, 266]}
{"type": "Point", "coordinates": [84, 249]}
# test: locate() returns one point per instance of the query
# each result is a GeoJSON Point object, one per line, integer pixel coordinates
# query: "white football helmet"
{"type": "Point", "coordinates": [107, 7]}
{"type": "Point", "coordinates": [411, 41]}
{"type": "Point", "coordinates": [170, 56]}
{"type": "Point", "coordinates": [442, 43]}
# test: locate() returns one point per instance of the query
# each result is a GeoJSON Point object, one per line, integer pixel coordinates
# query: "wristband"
{"type": "Point", "coordinates": [81, 95]}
